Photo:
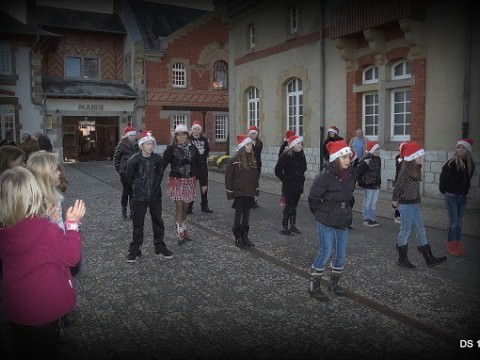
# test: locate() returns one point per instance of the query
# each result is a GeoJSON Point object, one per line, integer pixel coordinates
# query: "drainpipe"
{"type": "Point", "coordinates": [467, 64]}
{"type": "Point", "coordinates": [322, 81]}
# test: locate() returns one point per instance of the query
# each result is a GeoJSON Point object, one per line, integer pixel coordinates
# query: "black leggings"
{"type": "Point", "coordinates": [242, 217]}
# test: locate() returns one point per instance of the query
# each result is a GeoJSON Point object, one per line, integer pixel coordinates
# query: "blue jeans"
{"type": "Point", "coordinates": [328, 238]}
{"type": "Point", "coordinates": [411, 214]}
{"type": "Point", "coordinates": [370, 198]}
{"type": "Point", "coordinates": [456, 208]}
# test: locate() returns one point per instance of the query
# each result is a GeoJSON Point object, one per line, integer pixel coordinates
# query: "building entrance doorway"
{"type": "Point", "coordinates": [89, 138]}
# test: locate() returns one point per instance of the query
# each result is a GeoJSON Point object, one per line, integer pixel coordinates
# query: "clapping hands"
{"type": "Point", "coordinates": [76, 212]}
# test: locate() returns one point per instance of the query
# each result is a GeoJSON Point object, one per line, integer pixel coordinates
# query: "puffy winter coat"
{"type": "Point", "coordinates": [331, 197]}
{"type": "Point", "coordinates": [290, 169]}
{"type": "Point", "coordinates": [125, 149]}
{"type": "Point", "coordinates": [37, 282]}
{"type": "Point", "coordinates": [145, 174]}
{"type": "Point", "coordinates": [183, 167]}
{"type": "Point", "coordinates": [369, 175]}
{"type": "Point", "coordinates": [453, 180]}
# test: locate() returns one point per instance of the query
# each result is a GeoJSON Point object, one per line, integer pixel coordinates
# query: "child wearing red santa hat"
{"type": "Point", "coordinates": [406, 196]}
{"type": "Point", "coordinates": [454, 185]}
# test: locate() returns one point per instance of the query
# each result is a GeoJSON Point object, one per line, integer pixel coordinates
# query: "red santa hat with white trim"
{"type": "Point", "coordinates": [337, 149]}
{"type": "Point", "coordinates": [243, 140]}
{"type": "Point", "coordinates": [129, 131]}
{"type": "Point", "coordinates": [400, 147]}
{"type": "Point", "coordinates": [333, 129]}
{"type": "Point", "coordinates": [411, 151]}
{"type": "Point", "coordinates": [252, 129]}
{"type": "Point", "coordinates": [293, 140]}
{"type": "Point", "coordinates": [197, 124]}
{"type": "Point", "coordinates": [181, 128]}
{"type": "Point", "coordinates": [289, 133]}
{"type": "Point", "coordinates": [146, 135]}
{"type": "Point", "coordinates": [372, 146]}
{"type": "Point", "coordinates": [467, 143]}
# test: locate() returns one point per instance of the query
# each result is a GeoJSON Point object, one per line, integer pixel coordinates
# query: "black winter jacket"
{"type": "Point", "coordinates": [453, 180]}
{"type": "Point", "coordinates": [369, 175]}
{"type": "Point", "coordinates": [290, 169]}
{"type": "Point", "coordinates": [331, 198]}
{"type": "Point", "coordinates": [182, 167]}
{"type": "Point", "coordinates": [125, 149]}
{"type": "Point", "coordinates": [257, 151]}
{"type": "Point", "coordinates": [145, 175]}
{"type": "Point", "coordinates": [240, 181]}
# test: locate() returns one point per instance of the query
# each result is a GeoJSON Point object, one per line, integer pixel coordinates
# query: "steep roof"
{"type": "Point", "coordinates": [156, 21]}
{"type": "Point", "coordinates": [11, 26]}
{"type": "Point", "coordinates": [73, 88]}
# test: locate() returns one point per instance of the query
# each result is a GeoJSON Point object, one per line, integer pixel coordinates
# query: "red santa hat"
{"type": "Point", "coordinates": [337, 149]}
{"type": "Point", "coordinates": [333, 129]}
{"type": "Point", "coordinates": [197, 124]}
{"type": "Point", "coordinates": [400, 147]}
{"type": "Point", "coordinates": [180, 128]}
{"type": "Point", "coordinates": [372, 146]}
{"type": "Point", "coordinates": [129, 131]}
{"type": "Point", "coordinates": [252, 129]}
{"type": "Point", "coordinates": [289, 133]}
{"type": "Point", "coordinates": [411, 151]}
{"type": "Point", "coordinates": [293, 140]}
{"type": "Point", "coordinates": [146, 135]}
{"type": "Point", "coordinates": [467, 143]}
{"type": "Point", "coordinates": [243, 140]}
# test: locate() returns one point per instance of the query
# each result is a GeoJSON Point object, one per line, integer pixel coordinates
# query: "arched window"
{"type": "Point", "coordinates": [401, 70]}
{"type": "Point", "coordinates": [295, 106]}
{"type": "Point", "coordinates": [179, 75]}
{"type": "Point", "coordinates": [370, 75]}
{"type": "Point", "coordinates": [253, 106]}
{"type": "Point", "coordinates": [220, 75]}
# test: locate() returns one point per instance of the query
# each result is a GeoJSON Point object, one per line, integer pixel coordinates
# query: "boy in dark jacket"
{"type": "Point", "coordinates": [125, 149]}
{"type": "Point", "coordinates": [145, 173]}
{"type": "Point", "coordinates": [369, 178]}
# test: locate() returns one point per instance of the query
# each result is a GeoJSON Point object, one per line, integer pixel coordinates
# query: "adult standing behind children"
{"type": "Point", "coordinates": [331, 201]}
{"type": "Point", "coordinates": [257, 152]}
{"type": "Point", "coordinates": [406, 196]}
{"type": "Point", "coordinates": [186, 167]}
{"type": "Point", "coordinates": [145, 173]}
{"type": "Point", "coordinates": [332, 135]}
{"type": "Point", "coordinates": [290, 169]}
{"type": "Point", "coordinates": [125, 149]}
{"type": "Point", "coordinates": [38, 287]}
{"type": "Point", "coordinates": [201, 143]}
{"type": "Point", "coordinates": [242, 185]}
{"type": "Point", "coordinates": [358, 144]}
{"type": "Point", "coordinates": [370, 179]}
{"type": "Point", "coordinates": [454, 185]}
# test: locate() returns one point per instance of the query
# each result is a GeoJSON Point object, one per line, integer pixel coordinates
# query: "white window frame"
{"type": "Point", "coordinates": [252, 37]}
{"type": "Point", "coordinates": [407, 104]}
{"type": "Point", "coordinates": [374, 79]}
{"type": "Point", "coordinates": [7, 120]}
{"type": "Point", "coordinates": [82, 67]}
{"type": "Point", "coordinates": [374, 114]}
{"type": "Point", "coordinates": [406, 70]}
{"type": "Point", "coordinates": [6, 65]}
{"type": "Point", "coordinates": [220, 68]}
{"type": "Point", "coordinates": [294, 104]}
{"type": "Point", "coordinates": [253, 107]}
{"type": "Point", "coordinates": [293, 19]}
{"type": "Point", "coordinates": [179, 75]}
{"type": "Point", "coordinates": [179, 119]}
{"type": "Point", "coordinates": [221, 127]}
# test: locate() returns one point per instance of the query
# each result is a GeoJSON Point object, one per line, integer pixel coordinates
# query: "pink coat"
{"type": "Point", "coordinates": [37, 283]}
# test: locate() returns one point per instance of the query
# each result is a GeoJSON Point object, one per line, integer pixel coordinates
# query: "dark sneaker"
{"type": "Point", "coordinates": [206, 209]}
{"type": "Point", "coordinates": [132, 257]}
{"type": "Point", "coordinates": [167, 254]}
{"type": "Point", "coordinates": [372, 223]}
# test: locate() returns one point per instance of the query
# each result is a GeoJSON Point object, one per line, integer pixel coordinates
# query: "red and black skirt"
{"type": "Point", "coordinates": [184, 189]}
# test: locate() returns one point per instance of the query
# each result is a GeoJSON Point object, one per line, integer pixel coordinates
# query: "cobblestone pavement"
{"type": "Point", "coordinates": [212, 300]}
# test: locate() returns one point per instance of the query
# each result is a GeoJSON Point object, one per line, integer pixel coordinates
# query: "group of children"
{"type": "Point", "coordinates": [39, 250]}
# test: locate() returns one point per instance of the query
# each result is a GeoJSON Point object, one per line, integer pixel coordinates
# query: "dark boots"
{"type": "Point", "coordinates": [428, 256]}
{"type": "Point", "coordinates": [124, 213]}
{"type": "Point", "coordinates": [246, 240]}
{"type": "Point", "coordinates": [337, 289]}
{"type": "Point", "coordinates": [237, 233]}
{"type": "Point", "coordinates": [314, 289]}
{"type": "Point", "coordinates": [403, 258]}
{"type": "Point", "coordinates": [293, 224]}
{"type": "Point", "coordinates": [285, 230]}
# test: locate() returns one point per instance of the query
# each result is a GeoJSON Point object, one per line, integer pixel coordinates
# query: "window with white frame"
{"type": "Point", "coordinates": [178, 119]}
{"type": "Point", "coordinates": [293, 19]}
{"type": "Point", "coordinates": [370, 115]}
{"type": "Point", "coordinates": [7, 121]}
{"type": "Point", "coordinates": [401, 70]}
{"type": "Point", "coordinates": [220, 75]}
{"type": "Point", "coordinates": [221, 127]}
{"type": "Point", "coordinates": [253, 107]}
{"type": "Point", "coordinates": [81, 67]}
{"type": "Point", "coordinates": [295, 106]}
{"type": "Point", "coordinates": [400, 114]}
{"type": "Point", "coordinates": [251, 36]}
{"type": "Point", "coordinates": [370, 75]}
{"type": "Point", "coordinates": [6, 67]}
{"type": "Point", "coordinates": [179, 75]}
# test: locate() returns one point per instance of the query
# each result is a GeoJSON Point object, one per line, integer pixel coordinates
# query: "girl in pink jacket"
{"type": "Point", "coordinates": [37, 256]}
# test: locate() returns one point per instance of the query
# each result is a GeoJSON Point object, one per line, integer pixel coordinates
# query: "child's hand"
{"type": "Point", "coordinates": [76, 212]}
{"type": "Point", "coordinates": [53, 214]}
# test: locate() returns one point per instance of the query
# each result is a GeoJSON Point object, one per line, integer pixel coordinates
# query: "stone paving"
{"type": "Point", "coordinates": [212, 300]}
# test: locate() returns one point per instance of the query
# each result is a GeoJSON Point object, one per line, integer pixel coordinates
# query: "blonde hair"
{"type": "Point", "coordinates": [20, 196]}
{"type": "Point", "coordinates": [42, 165]}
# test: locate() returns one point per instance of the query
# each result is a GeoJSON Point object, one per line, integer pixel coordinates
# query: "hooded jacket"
{"type": "Point", "coordinates": [37, 282]}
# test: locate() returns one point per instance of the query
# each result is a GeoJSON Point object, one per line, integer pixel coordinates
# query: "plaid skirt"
{"type": "Point", "coordinates": [184, 189]}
